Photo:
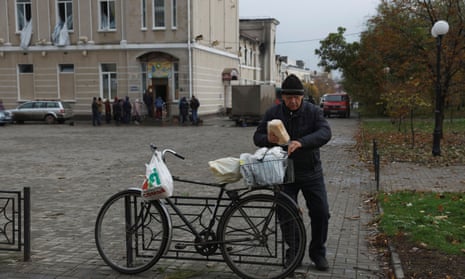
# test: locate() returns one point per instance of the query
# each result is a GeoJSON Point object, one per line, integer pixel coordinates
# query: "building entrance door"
{"type": "Point", "coordinates": [160, 88]}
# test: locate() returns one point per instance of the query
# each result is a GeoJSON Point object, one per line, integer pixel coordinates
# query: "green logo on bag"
{"type": "Point", "coordinates": [154, 177]}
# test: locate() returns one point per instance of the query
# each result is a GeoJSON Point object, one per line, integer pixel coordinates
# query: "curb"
{"type": "Point", "coordinates": [395, 260]}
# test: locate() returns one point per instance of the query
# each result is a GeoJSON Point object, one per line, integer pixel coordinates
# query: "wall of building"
{"type": "Point", "coordinates": [202, 49]}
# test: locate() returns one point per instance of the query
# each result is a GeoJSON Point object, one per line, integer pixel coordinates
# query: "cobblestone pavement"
{"type": "Point", "coordinates": [71, 170]}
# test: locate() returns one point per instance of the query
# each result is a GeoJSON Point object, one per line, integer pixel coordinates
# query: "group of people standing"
{"type": "Point", "coordinates": [121, 111]}
{"type": "Point", "coordinates": [184, 106]}
{"type": "Point", "coordinates": [155, 108]}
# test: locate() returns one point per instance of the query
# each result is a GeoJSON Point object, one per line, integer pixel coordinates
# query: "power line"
{"type": "Point", "coordinates": [313, 40]}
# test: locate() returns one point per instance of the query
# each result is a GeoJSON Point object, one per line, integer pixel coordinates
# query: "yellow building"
{"type": "Point", "coordinates": [74, 50]}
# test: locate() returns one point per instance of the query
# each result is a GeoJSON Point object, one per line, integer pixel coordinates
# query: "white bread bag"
{"type": "Point", "coordinates": [277, 128]}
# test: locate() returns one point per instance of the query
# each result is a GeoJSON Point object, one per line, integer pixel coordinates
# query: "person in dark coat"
{"type": "Point", "coordinates": [107, 111]}
{"type": "Point", "coordinates": [183, 110]}
{"type": "Point", "coordinates": [95, 112]}
{"type": "Point", "coordinates": [148, 101]}
{"type": "Point", "coordinates": [127, 108]}
{"type": "Point", "coordinates": [117, 111]}
{"type": "Point", "coordinates": [308, 131]}
{"type": "Point", "coordinates": [159, 103]}
{"type": "Point", "coordinates": [194, 104]}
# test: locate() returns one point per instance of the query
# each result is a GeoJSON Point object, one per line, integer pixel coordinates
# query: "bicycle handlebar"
{"type": "Point", "coordinates": [153, 147]}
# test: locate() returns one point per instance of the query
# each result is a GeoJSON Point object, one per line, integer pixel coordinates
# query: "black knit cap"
{"type": "Point", "coordinates": [292, 86]}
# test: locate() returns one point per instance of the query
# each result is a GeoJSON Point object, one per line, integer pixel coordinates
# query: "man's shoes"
{"type": "Point", "coordinates": [321, 263]}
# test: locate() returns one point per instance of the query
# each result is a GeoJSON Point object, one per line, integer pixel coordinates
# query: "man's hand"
{"type": "Point", "coordinates": [293, 146]}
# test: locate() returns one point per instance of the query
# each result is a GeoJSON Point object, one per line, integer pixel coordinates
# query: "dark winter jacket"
{"type": "Point", "coordinates": [184, 106]}
{"type": "Point", "coordinates": [306, 125]}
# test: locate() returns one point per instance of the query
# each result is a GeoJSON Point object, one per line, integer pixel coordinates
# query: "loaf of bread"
{"type": "Point", "coordinates": [277, 128]}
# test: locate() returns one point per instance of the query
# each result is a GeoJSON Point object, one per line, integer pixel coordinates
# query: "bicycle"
{"type": "Point", "coordinates": [132, 234]}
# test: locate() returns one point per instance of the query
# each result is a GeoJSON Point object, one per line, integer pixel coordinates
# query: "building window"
{"type": "Point", "coordinates": [26, 68]}
{"type": "Point", "coordinates": [143, 11]}
{"type": "Point", "coordinates": [176, 80]}
{"type": "Point", "coordinates": [66, 68]}
{"type": "Point", "coordinates": [251, 58]}
{"type": "Point", "coordinates": [107, 15]}
{"type": "Point", "coordinates": [23, 13]}
{"type": "Point", "coordinates": [173, 14]}
{"type": "Point", "coordinates": [158, 14]}
{"type": "Point", "coordinates": [144, 75]}
{"type": "Point", "coordinates": [108, 80]}
{"type": "Point", "coordinates": [65, 13]}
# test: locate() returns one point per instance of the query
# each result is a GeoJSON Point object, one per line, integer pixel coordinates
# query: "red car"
{"type": "Point", "coordinates": [336, 104]}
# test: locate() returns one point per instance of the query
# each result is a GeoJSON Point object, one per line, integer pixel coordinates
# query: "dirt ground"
{"type": "Point", "coordinates": [422, 263]}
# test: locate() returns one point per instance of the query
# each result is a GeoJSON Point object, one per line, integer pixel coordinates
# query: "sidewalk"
{"type": "Point", "coordinates": [72, 170]}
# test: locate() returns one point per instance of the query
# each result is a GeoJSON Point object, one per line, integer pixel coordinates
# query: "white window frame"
{"type": "Point", "coordinates": [21, 5]}
{"type": "Point", "coordinates": [174, 14]}
{"type": "Point", "coordinates": [67, 4]}
{"type": "Point", "coordinates": [154, 14]}
{"type": "Point", "coordinates": [174, 81]}
{"type": "Point", "coordinates": [110, 3]}
{"type": "Point", "coordinates": [108, 75]}
{"type": "Point", "coordinates": [143, 14]}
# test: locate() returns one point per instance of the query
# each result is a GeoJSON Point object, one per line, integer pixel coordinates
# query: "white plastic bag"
{"type": "Point", "coordinates": [158, 182]}
{"type": "Point", "coordinates": [226, 169]}
{"type": "Point", "coordinates": [265, 167]}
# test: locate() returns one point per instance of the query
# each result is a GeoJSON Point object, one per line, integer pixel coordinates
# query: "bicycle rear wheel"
{"type": "Point", "coordinates": [262, 236]}
{"type": "Point", "coordinates": [130, 233]}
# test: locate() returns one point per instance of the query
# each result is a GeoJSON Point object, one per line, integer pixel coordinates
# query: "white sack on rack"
{"type": "Point", "coordinates": [226, 170]}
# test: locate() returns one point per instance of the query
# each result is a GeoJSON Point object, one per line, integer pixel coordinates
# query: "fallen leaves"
{"type": "Point", "coordinates": [396, 147]}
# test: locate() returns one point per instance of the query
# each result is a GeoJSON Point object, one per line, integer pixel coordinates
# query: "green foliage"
{"type": "Point", "coordinates": [434, 220]}
{"type": "Point", "coordinates": [335, 52]}
{"type": "Point", "coordinates": [399, 37]}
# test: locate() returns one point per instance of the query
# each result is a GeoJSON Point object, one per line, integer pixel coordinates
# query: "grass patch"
{"type": "Point", "coordinates": [434, 220]}
{"type": "Point", "coordinates": [397, 143]}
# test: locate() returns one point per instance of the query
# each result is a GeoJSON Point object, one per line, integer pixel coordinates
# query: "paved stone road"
{"type": "Point", "coordinates": [72, 170]}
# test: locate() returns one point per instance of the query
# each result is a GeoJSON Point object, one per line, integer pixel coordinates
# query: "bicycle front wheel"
{"type": "Point", "coordinates": [131, 234]}
{"type": "Point", "coordinates": [262, 236]}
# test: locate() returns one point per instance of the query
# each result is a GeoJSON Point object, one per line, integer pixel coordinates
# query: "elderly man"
{"type": "Point", "coordinates": [308, 131]}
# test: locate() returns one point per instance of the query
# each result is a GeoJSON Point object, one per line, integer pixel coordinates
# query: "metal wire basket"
{"type": "Point", "coordinates": [268, 172]}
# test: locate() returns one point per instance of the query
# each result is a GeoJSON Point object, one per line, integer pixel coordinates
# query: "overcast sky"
{"type": "Point", "coordinates": [303, 23]}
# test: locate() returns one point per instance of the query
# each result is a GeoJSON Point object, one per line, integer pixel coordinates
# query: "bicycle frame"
{"type": "Point", "coordinates": [215, 210]}
{"type": "Point", "coordinates": [231, 196]}
{"type": "Point", "coordinates": [242, 226]}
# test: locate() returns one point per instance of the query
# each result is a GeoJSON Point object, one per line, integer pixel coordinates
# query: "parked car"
{"type": "Point", "coordinates": [48, 111]}
{"type": "Point", "coordinates": [4, 118]}
{"type": "Point", "coordinates": [336, 104]}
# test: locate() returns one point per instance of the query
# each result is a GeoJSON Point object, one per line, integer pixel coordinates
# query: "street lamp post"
{"type": "Point", "coordinates": [439, 29]}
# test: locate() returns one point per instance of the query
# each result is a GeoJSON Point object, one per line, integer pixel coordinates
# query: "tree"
{"type": "Point", "coordinates": [312, 91]}
{"type": "Point", "coordinates": [399, 37]}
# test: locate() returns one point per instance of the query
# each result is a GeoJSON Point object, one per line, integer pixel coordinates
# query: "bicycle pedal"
{"type": "Point", "coordinates": [180, 246]}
